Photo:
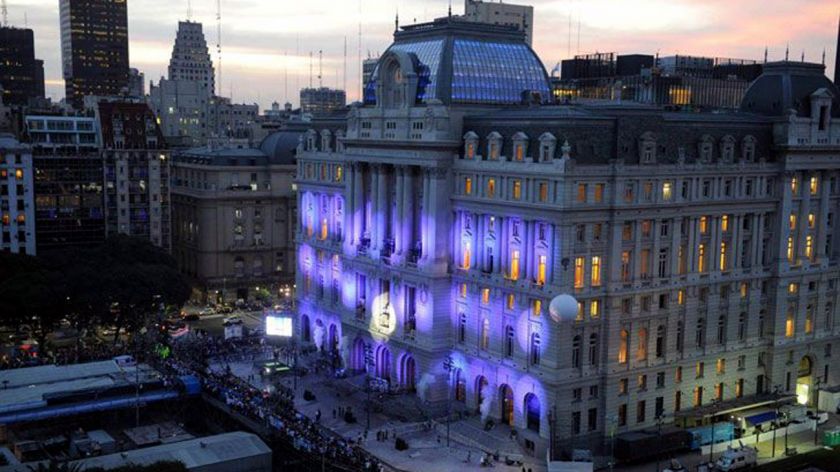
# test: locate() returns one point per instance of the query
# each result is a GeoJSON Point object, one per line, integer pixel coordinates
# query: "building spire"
{"type": "Point", "coordinates": [787, 52]}
{"type": "Point", "coordinates": [397, 20]}
{"type": "Point", "coordinates": [765, 54]}
{"type": "Point", "coordinates": [803, 55]}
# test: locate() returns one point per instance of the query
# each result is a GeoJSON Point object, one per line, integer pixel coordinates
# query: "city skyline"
{"type": "Point", "coordinates": [258, 51]}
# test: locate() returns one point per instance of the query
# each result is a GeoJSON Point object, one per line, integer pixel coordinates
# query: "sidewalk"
{"type": "Point", "coordinates": [427, 447]}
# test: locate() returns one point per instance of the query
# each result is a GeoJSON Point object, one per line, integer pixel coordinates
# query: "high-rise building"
{"type": "Point", "coordinates": [69, 200]}
{"type": "Point", "coordinates": [136, 83]}
{"type": "Point", "coordinates": [368, 66]}
{"type": "Point", "coordinates": [94, 48]}
{"type": "Point", "coordinates": [21, 75]}
{"type": "Point", "coordinates": [699, 249]}
{"type": "Point", "coordinates": [136, 170]}
{"type": "Point", "coordinates": [191, 58]}
{"type": "Point", "coordinates": [322, 100]}
{"type": "Point", "coordinates": [498, 13]}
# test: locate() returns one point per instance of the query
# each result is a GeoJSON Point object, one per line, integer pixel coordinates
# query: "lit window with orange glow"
{"type": "Point", "coordinates": [514, 265]}
{"type": "Point", "coordinates": [812, 220]}
{"type": "Point", "coordinates": [541, 269]}
{"type": "Point", "coordinates": [792, 222]}
{"type": "Point", "coordinates": [724, 223]}
{"type": "Point", "coordinates": [623, 346]}
{"type": "Point", "coordinates": [704, 225]}
{"type": "Point", "coordinates": [19, 174]}
{"type": "Point", "coordinates": [467, 186]}
{"type": "Point", "coordinates": [485, 296]}
{"type": "Point", "coordinates": [814, 187]}
{"type": "Point", "coordinates": [491, 188]}
{"type": "Point", "coordinates": [465, 261]}
{"type": "Point", "coordinates": [789, 324]}
{"type": "Point", "coordinates": [794, 185]}
{"type": "Point", "coordinates": [536, 307]}
{"type": "Point", "coordinates": [595, 308]}
{"type": "Point", "coordinates": [595, 276]}
{"type": "Point", "coordinates": [723, 261]}
{"type": "Point", "coordinates": [517, 189]}
{"type": "Point", "coordinates": [324, 229]}
{"type": "Point", "coordinates": [790, 252]}
{"type": "Point", "coordinates": [511, 301]}
{"type": "Point", "coordinates": [701, 258]}
{"type": "Point", "coordinates": [579, 269]}
{"type": "Point", "coordinates": [809, 247]}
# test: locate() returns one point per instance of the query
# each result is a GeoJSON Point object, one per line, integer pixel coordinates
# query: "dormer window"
{"type": "Point", "coordinates": [310, 140]}
{"type": "Point", "coordinates": [339, 141]}
{"type": "Point", "coordinates": [548, 143]}
{"type": "Point", "coordinates": [326, 140]}
{"type": "Point", "coordinates": [470, 145]}
{"type": "Point", "coordinates": [704, 149]}
{"type": "Point", "coordinates": [647, 148]}
{"type": "Point", "coordinates": [494, 146]}
{"type": "Point", "coordinates": [520, 146]}
{"type": "Point", "coordinates": [727, 149]}
{"type": "Point", "coordinates": [748, 149]}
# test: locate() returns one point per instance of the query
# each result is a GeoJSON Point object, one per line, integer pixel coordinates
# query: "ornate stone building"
{"type": "Point", "coordinates": [436, 227]}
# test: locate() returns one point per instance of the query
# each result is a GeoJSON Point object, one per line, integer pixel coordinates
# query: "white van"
{"type": "Point", "coordinates": [737, 459]}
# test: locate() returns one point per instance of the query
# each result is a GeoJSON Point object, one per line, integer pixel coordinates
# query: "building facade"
{"type": "Point", "coordinates": [322, 101]}
{"type": "Point", "coordinates": [17, 208]}
{"type": "Point", "coordinates": [69, 199]}
{"type": "Point", "coordinates": [94, 48]}
{"type": "Point", "coordinates": [191, 58]}
{"type": "Point", "coordinates": [489, 12]}
{"type": "Point", "coordinates": [21, 75]}
{"type": "Point", "coordinates": [136, 172]}
{"type": "Point", "coordinates": [438, 225]}
{"type": "Point", "coordinates": [233, 217]}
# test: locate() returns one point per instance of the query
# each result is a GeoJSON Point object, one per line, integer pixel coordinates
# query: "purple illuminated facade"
{"type": "Point", "coordinates": [439, 220]}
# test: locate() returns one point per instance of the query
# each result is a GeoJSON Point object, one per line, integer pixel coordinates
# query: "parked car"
{"type": "Point", "coordinates": [821, 417]}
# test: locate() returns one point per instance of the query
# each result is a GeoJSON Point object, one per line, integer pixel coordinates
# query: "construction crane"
{"type": "Point", "coordinates": [218, 40]}
{"type": "Point", "coordinates": [4, 10]}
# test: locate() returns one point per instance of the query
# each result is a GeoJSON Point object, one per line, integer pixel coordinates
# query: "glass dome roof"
{"type": "Point", "coordinates": [468, 63]}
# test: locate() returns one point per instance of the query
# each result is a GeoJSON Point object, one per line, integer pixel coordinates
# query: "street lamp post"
{"type": "Point", "coordinates": [659, 419]}
{"type": "Point", "coordinates": [773, 454]}
{"type": "Point", "coordinates": [787, 427]}
{"type": "Point", "coordinates": [817, 410]}
{"type": "Point", "coordinates": [449, 366]}
{"type": "Point", "coordinates": [368, 364]}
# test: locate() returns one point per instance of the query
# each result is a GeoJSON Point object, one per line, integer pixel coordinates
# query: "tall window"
{"type": "Point", "coordinates": [535, 349]}
{"type": "Point", "coordinates": [596, 271]}
{"type": "Point", "coordinates": [700, 333]}
{"type": "Point", "coordinates": [809, 247]}
{"type": "Point", "coordinates": [579, 271]}
{"type": "Point", "coordinates": [623, 347]}
{"type": "Point", "coordinates": [660, 341]}
{"type": "Point", "coordinates": [723, 261]}
{"type": "Point", "coordinates": [465, 261]}
{"type": "Point", "coordinates": [514, 265]}
{"type": "Point", "coordinates": [667, 191]}
{"type": "Point", "coordinates": [814, 185]}
{"type": "Point", "coordinates": [517, 189]}
{"type": "Point", "coordinates": [593, 349]}
{"type": "Point", "coordinates": [462, 328]}
{"type": "Point", "coordinates": [324, 230]}
{"type": "Point", "coordinates": [485, 334]}
{"type": "Point", "coordinates": [641, 351]}
{"type": "Point", "coordinates": [543, 191]}
{"type": "Point", "coordinates": [701, 258]}
{"type": "Point", "coordinates": [541, 269]}
{"type": "Point", "coordinates": [467, 186]}
{"type": "Point", "coordinates": [491, 188]}
{"type": "Point", "coordinates": [790, 254]}
{"type": "Point", "coordinates": [509, 339]}
{"type": "Point", "coordinates": [576, 352]}
{"type": "Point", "coordinates": [625, 266]}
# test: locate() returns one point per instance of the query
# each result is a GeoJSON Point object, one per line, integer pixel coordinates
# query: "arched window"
{"type": "Point", "coordinates": [470, 145]}
{"type": "Point", "coordinates": [326, 140]}
{"type": "Point", "coordinates": [520, 146]}
{"type": "Point", "coordinates": [593, 349]}
{"type": "Point", "coordinates": [641, 351]}
{"type": "Point", "coordinates": [748, 148]}
{"type": "Point", "coordinates": [727, 149]}
{"type": "Point", "coordinates": [660, 341]}
{"type": "Point", "coordinates": [462, 328]}
{"type": "Point", "coordinates": [647, 148]}
{"type": "Point", "coordinates": [548, 144]}
{"type": "Point", "coordinates": [704, 148]}
{"type": "Point", "coordinates": [494, 146]}
{"type": "Point", "coordinates": [509, 340]}
{"type": "Point", "coordinates": [576, 352]}
{"type": "Point", "coordinates": [532, 412]}
{"type": "Point", "coordinates": [535, 349]}
{"type": "Point", "coordinates": [623, 347]}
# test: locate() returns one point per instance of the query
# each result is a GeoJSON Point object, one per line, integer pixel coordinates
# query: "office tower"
{"type": "Point", "coordinates": [94, 48]}
{"type": "Point", "coordinates": [321, 101]}
{"type": "Point", "coordinates": [21, 75]}
{"type": "Point", "coordinates": [498, 13]}
{"type": "Point", "coordinates": [17, 209]}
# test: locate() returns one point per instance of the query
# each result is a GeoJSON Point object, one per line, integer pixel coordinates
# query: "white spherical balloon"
{"type": "Point", "coordinates": [563, 308]}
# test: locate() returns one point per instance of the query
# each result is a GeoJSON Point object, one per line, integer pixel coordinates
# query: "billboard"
{"type": "Point", "coordinates": [278, 326]}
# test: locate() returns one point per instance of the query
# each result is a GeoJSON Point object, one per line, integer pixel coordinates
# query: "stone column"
{"type": "Point", "coordinates": [382, 206]}
{"type": "Point", "coordinates": [408, 208]}
{"type": "Point", "coordinates": [358, 203]}
{"type": "Point", "coordinates": [784, 215]}
{"type": "Point", "coordinates": [802, 219]}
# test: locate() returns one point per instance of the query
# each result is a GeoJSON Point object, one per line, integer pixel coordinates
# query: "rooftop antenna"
{"type": "Point", "coordinates": [569, 42]}
{"type": "Point", "coordinates": [578, 32]}
{"type": "Point", "coordinates": [320, 68]}
{"type": "Point", "coordinates": [286, 75]}
{"type": "Point", "coordinates": [344, 72]}
{"type": "Point", "coordinates": [765, 54]}
{"type": "Point", "coordinates": [837, 56]}
{"type": "Point", "coordinates": [397, 20]}
{"type": "Point", "coordinates": [310, 69]}
{"type": "Point", "coordinates": [787, 52]}
{"type": "Point", "coordinates": [189, 10]}
{"type": "Point", "coordinates": [450, 8]}
{"type": "Point", "coordinates": [823, 58]}
{"type": "Point", "coordinates": [219, 40]}
{"type": "Point", "coordinates": [803, 55]}
{"type": "Point", "coordinates": [4, 10]}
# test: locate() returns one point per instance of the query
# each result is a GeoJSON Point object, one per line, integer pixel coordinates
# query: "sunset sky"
{"type": "Point", "coordinates": [262, 40]}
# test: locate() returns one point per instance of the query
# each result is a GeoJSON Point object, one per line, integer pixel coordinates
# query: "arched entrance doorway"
{"type": "Point", "coordinates": [383, 363]}
{"type": "Point", "coordinates": [357, 355]}
{"type": "Point", "coordinates": [506, 396]}
{"type": "Point", "coordinates": [408, 372]}
{"type": "Point", "coordinates": [532, 412]}
{"type": "Point", "coordinates": [481, 395]}
{"type": "Point", "coordinates": [804, 380]}
{"type": "Point", "coordinates": [305, 329]}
